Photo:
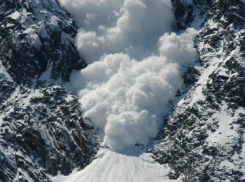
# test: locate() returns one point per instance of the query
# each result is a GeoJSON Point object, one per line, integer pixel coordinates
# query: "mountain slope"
{"type": "Point", "coordinates": [44, 136]}
{"type": "Point", "coordinates": [130, 164]}
{"type": "Point", "coordinates": [42, 128]}
{"type": "Point", "coordinates": [204, 136]}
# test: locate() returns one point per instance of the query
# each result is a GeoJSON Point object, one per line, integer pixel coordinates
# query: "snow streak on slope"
{"type": "Point", "coordinates": [136, 66]}
{"type": "Point", "coordinates": [128, 165]}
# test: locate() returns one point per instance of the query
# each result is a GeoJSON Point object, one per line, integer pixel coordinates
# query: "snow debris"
{"type": "Point", "coordinates": [127, 165]}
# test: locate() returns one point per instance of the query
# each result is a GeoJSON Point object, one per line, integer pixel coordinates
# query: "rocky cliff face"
{"type": "Point", "coordinates": [36, 35]}
{"type": "Point", "coordinates": [204, 136]}
{"type": "Point", "coordinates": [42, 131]}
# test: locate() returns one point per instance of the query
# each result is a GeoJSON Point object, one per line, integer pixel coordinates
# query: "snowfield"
{"type": "Point", "coordinates": [128, 165]}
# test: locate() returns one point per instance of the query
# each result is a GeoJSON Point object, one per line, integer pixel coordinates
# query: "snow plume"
{"type": "Point", "coordinates": [135, 65]}
{"type": "Point", "coordinates": [111, 26]}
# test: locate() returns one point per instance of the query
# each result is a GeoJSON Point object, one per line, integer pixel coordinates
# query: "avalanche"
{"type": "Point", "coordinates": [124, 166]}
{"type": "Point", "coordinates": [135, 68]}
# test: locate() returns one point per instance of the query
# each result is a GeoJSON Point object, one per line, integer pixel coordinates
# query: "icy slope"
{"type": "Point", "coordinates": [128, 165]}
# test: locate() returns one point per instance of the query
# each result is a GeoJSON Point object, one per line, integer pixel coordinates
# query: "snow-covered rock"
{"type": "Point", "coordinates": [42, 129]}
{"type": "Point", "coordinates": [204, 136]}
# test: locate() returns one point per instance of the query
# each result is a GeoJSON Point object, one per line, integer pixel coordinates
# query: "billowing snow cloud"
{"type": "Point", "coordinates": [135, 65]}
{"type": "Point", "coordinates": [111, 26]}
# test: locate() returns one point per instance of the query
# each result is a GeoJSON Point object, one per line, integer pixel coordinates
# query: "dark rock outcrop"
{"type": "Point", "coordinates": [204, 136]}
{"type": "Point", "coordinates": [42, 129]}
{"type": "Point", "coordinates": [35, 36]}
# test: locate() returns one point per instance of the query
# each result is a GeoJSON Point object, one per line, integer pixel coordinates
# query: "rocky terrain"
{"type": "Point", "coordinates": [42, 128]}
{"type": "Point", "coordinates": [204, 136]}
{"type": "Point", "coordinates": [42, 131]}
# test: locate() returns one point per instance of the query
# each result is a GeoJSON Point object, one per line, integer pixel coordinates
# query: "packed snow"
{"type": "Point", "coordinates": [224, 130]}
{"type": "Point", "coordinates": [33, 38]}
{"type": "Point", "coordinates": [3, 73]}
{"type": "Point", "coordinates": [15, 15]}
{"type": "Point", "coordinates": [124, 166]}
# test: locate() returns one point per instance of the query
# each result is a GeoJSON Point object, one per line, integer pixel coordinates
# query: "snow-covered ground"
{"type": "Point", "coordinates": [128, 165]}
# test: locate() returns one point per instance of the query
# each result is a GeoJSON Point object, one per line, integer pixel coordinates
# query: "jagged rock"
{"type": "Point", "coordinates": [42, 129]}
{"type": "Point", "coordinates": [204, 136]}
{"type": "Point", "coordinates": [35, 36]}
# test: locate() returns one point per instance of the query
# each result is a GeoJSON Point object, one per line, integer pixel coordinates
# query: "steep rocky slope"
{"type": "Point", "coordinates": [204, 136]}
{"type": "Point", "coordinates": [42, 130]}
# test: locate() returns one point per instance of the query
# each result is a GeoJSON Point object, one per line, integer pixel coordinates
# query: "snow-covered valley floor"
{"type": "Point", "coordinates": [128, 165]}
